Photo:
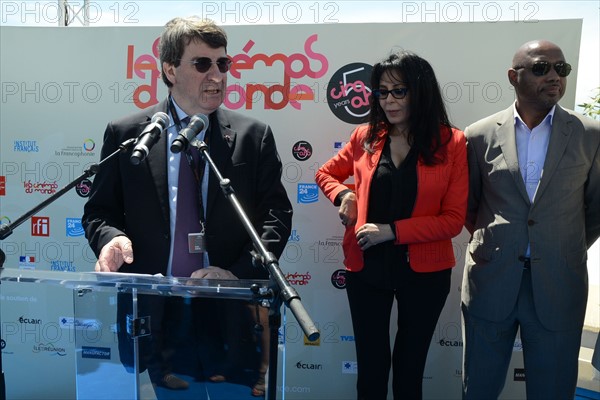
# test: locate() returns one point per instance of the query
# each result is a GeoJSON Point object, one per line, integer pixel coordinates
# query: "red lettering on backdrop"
{"type": "Point", "coordinates": [295, 66]}
{"type": "Point", "coordinates": [144, 67]}
{"type": "Point", "coordinates": [276, 96]}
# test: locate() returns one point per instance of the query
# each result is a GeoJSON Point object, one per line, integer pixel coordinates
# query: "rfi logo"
{"type": "Point", "coordinates": [40, 226]}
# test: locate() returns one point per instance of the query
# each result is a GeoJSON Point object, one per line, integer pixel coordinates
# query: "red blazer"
{"type": "Point", "coordinates": [440, 206]}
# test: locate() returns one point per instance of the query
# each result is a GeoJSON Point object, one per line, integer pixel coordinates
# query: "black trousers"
{"type": "Point", "coordinates": [420, 299]}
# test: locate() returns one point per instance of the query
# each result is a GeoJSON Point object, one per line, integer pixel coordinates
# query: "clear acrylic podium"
{"type": "Point", "coordinates": [106, 336]}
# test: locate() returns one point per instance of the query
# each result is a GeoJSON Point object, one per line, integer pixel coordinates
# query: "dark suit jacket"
{"type": "Point", "coordinates": [561, 223]}
{"type": "Point", "coordinates": [133, 200]}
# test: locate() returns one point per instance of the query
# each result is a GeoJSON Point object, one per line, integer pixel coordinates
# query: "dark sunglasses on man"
{"type": "Point", "coordinates": [203, 64]}
{"type": "Point", "coordinates": [541, 68]}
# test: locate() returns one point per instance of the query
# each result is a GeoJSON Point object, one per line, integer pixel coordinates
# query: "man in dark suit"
{"type": "Point", "coordinates": [130, 217]}
{"type": "Point", "coordinates": [534, 210]}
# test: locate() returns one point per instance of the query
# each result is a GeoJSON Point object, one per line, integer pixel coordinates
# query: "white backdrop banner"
{"type": "Point", "coordinates": [60, 87]}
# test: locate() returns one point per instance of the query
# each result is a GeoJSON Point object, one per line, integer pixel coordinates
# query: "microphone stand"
{"type": "Point", "coordinates": [7, 229]}
{"type": "Point", "coordinates": [282, 288]}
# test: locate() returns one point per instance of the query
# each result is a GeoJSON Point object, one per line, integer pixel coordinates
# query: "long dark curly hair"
{"type": "Point", "coordinates": [429, 125]}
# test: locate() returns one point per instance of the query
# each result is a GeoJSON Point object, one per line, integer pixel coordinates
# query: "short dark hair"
{"type": "Point", "coordinates": [180, 32]}
{"type": "Point", "coordinates": [428, 115]}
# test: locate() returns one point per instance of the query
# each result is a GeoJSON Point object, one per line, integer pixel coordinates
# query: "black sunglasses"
{"type": "Point", "coordinates": [397, 93]}
{"type": "Point", "coordinates": [203, 64]}
{"type": "Point", "coordinates": [541, 68]}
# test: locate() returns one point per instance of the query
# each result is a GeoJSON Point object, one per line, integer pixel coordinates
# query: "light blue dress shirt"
{"type": "Point", "coordinates": [532, 145]}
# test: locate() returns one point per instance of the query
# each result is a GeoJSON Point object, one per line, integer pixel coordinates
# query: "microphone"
{"type": "Point", "coordinates": [149, 137]}
{"type": "Point", "coordinates": [198, 123]}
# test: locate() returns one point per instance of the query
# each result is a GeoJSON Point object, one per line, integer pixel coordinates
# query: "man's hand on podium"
{"type": "Point", "coordinates": [116, 252]}
{"type": "Point", "coordinates": [213, 273]}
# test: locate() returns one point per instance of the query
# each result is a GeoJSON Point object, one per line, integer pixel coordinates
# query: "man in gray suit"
{"type": "Point", "coordinates": [534, 210]}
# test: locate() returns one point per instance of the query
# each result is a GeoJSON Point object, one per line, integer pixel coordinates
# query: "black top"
{"type": "Point", "coordinates": [392, 197]}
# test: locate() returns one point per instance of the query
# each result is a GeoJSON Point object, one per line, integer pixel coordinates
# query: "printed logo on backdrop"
{"type": "Point", "coordinates": [40, 226]}
{"type": "Point", "coordinates": [519, 375]}
{"type": "Point", "coordinates": [349, 367]}
{"type": "Point", "coordinates": [301, 67]}
{"type": "Point", "coordinates": [450, 343]}
{"type": "Point", "coordinates": [308, 193]}
{"type": "Point", "coordinates": [30, 321]}
{"type": "Point", "coordinates": [74, 227]}
{"type": "Point", "coordinates": [518, 345]}
{"type": "Point", "coordinates": [26, 262]}
{"type": "Point", "coordinates": [337, 146]}
{"type": "Point", "coordinates": [348, 93]}
{"type": "Point", "coordinates": [294, 236]}
{"type": "Point", "coordinates": [40, 187]}
{"type": "Point", "coordinates": [80, 324]}
{"type": "Point", "coordinates": [338, 279]}
{"type": "Point", "coordinates": [2, 186]}
{"type": "Point", "coordinates": [63, 266]}
{"type": "Point", "coordinates": [26, 146]}
{"type": "Point", "coordinates": [85, 150]}
{"type": "Point", "coordinates": [101, 353]}
{"type": "Point", "coordinates": [302, 150]}
{"type": "Point", "coordinates": [298, 279]}
{"type": "Point", "coordinates": [49, 348]}
{"type": "Point", "coordinates": [83, 188]}
{"type": "Point", "coordinates": [309, 366]}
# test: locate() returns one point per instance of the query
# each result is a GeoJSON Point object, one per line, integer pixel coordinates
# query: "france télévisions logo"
{"type": "Point", "coordinates": [40, 226]}
{"type": "Point", "coordinates": [308, 193]}
{"type": "Point", "coordinates": [349, 94]}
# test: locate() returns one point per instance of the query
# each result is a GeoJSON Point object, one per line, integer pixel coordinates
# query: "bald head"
{"type": "Point", "coordinates": [538, 74]}
{"type": "Point", "coordinates": [529, 50]}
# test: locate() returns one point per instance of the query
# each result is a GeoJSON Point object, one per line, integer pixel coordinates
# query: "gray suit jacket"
{"type": "Point", "coordinates": [561, 224]}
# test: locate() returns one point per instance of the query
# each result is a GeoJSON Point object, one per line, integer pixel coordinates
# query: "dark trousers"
{"type": "Point", "coordinates": [168, 326]}
{"type": "Point", "coordinates": [420, 299]}
{"type": "Point", "coordinates": [197, 337]}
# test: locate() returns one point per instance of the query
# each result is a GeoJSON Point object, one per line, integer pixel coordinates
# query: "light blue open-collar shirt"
{"type": "Point", "coordinates": [532, 146]}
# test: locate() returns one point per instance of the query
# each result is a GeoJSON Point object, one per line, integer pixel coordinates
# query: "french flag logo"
{"type": "Point", "coordinates": [26, 259]}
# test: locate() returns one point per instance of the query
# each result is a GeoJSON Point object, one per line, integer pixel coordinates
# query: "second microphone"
{"type": "Point", "coordinates": [198, 123]}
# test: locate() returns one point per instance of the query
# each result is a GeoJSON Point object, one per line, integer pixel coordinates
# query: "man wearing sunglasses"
{"type": "Point", "coordinates": [131, 219]}
{"type": "Point", "coordinates": [534, 210]}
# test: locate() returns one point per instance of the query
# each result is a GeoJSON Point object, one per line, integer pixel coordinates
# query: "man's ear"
{"type": "Point", "coordinates": [512, 77]}
{"type": "Point", "coordinates": [170, 72]}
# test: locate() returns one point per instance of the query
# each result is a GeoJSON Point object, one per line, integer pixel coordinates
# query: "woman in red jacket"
{"type": "Point", "coordinates": [410, 173]}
